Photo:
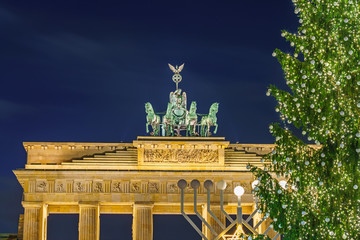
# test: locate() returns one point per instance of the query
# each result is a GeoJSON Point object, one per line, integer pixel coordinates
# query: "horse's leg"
{"type": "Point", "coordinates": [147, 127]}
{"type": "Point", "coordinates": [191, 130]}
{"type": "Point", "coordinates": [153, 129]}
{"type": "Point", "coordinates": [215, 128]}
{"type": "Point", "coordinates": [163, 129]}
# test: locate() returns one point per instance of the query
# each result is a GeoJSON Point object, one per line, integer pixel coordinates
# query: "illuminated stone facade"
{"type": "Point", "coordinates": [138, 178]}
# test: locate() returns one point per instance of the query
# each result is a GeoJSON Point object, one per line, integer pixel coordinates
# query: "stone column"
{"type": "Point", "coordinates": [142, 221]}
{"type": "Point", "coordinates": [89, 221]}
{"type": "Point", "coordinates": [215, 208]}
{"type": "Point", "coordinates": [35, 220]}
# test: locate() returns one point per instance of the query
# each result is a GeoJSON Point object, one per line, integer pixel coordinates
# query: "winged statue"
{"type": "Point", "coordinates": [176, 69]}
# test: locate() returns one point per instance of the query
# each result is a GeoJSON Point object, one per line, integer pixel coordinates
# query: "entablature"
{"type": "Point", "coordinates": [147, 153]}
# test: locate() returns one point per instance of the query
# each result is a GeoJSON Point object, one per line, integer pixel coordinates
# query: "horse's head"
{"type": "Point", "coordinates": [214, 108]}
{"type": "Point", "coordinates": [193, 107]}
{"type": "Point", "coordinates": [148, 108]}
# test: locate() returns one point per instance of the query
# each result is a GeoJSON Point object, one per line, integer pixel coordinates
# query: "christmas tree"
{"type": "Point", "coordinates": [321, 199]}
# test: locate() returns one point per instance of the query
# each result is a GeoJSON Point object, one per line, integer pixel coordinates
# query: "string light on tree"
{"type": "Point", "coordinates": [323, 173]}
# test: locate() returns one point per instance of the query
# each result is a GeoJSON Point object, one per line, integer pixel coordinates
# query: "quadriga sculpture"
{"type": "Point", "coordinates": [209, 120]}
{"type": "Point", "coordinates": [152, 119]}
{"type": "Point", "coordinates": [177, 118]}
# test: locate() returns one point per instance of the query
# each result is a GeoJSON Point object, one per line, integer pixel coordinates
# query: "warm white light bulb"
{"type": "Point", "coordinates": [283, 184]}
{"type": "Point", "coordinates": [239, 191]}
{"type": "Point", "coordinates": [255, 183]}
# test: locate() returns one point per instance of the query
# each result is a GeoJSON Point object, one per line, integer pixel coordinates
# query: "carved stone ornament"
{"type": "Point", "coordinates": [135, 187]}
{"type": "Point", "coordinates": [41, 186]}
{"type": "Point", "coordinates": [116, 186]}
{"type": "Point", "coordinates": [229, 188]}
{"type": "Point", "coordinates": [181, 156]}
{"type": "Point", "coordinates": [79, 187]}
{"type": "Point", "coordinates": [172, 188]}
{"type": "Point", "coordinates": [98, 187]}
{"type": "Point", "coordinates": [245, 185]}
{"type": "Point", "coordinates": [188, 188]}
{"type": "Point", "coordinates": [59, 187]}
{"type": "Point", "coordinates": [153, 187]}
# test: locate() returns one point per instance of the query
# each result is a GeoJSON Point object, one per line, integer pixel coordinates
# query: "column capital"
{"type": "Point", "coordinates": [144, 204]}
{"type": "Point", "coordinates": [88, 204]}
{"type": "Point", "coordinates": [33, 204]}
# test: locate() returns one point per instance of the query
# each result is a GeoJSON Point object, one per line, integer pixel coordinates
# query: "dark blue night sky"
{"type": "Point", "coordinates": [82, 71]}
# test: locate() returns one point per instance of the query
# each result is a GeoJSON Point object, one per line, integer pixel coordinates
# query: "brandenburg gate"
{"type": "Point", "coordinates": [139, 177]}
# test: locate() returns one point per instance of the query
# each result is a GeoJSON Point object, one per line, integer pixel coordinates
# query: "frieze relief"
{"type": "Point", "coordinates": [181, 156]}
{"type": "Point", "coordinates": [135, 187]}
{"type": "Point", "coordinates": [116, 186]}
{"type": "Point", "coordinates": [41, 186]}
{"type": "Point", "coordinates": [172, 188]}
{"type": "Point", "coordinates": [188, 188]}
{"type": "Point", "coordinates": [126, 186]}
{"type": "Point", "coordinates": [229, 187]}
{"type": "Point", "coordinates": [60, 186]}
{"type": "Point", "coordinates": [79, 186]}
{"type": "Point", "coordinates": [154, 187]}
{"type": "Point", "coordinates": [98, 187]}
{"type": "Point", "coordinates": [245, 185]}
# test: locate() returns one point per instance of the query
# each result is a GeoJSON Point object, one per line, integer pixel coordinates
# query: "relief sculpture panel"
{"type": "Point", "coordinates": [153, 187]}
{"type": "Point", "coordinates": [79, 186]}
{"type": "Point", "coordinates": [41, 186]}
{"type": "Point", "coordinates": [98, 187]}
{"type": "Point", "coordinates": [116, 187]}
{"type": "Point", "coordinates": [181, 156]}
{"type": "Point", "coordinates": [60, 186]}
{"type": "Point", "coordinates": [135, 187]}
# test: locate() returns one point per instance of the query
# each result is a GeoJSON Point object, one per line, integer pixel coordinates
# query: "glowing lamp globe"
{"type": "Point", "coordinates": [283, 183]}
{"type": "Point", "coordinates": [239, 191]}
